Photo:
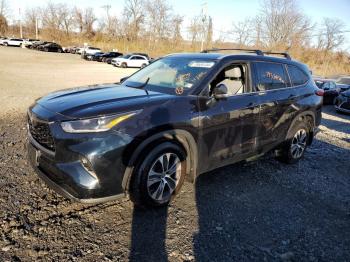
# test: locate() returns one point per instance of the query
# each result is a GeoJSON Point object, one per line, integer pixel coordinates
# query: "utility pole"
{"type": "Point", "coordinates": [204, 15]}
{"type": "Point", "coordinates": [20, 23]}
{"type": "Point", "coordinates": [36, 29]}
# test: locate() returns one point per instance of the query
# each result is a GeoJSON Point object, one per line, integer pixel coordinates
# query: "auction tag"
{"type": "Point", "coordinates": [201, 64]}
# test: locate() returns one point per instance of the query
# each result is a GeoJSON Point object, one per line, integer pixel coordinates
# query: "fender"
{"type": "Point", "coordinates": [179, 135]}
{"type": "Point", "coordinates": [298, 117]}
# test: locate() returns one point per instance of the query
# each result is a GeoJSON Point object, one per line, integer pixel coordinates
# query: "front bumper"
{"type": "Point", "coordinates": [65, 172]}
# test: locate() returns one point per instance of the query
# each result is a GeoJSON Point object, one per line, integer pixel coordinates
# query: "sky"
{"type": "Point", "coordinates": [223, 12]}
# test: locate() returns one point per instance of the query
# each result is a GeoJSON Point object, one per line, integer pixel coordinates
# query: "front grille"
{"type": "Point", "coordinates": [41, 133]}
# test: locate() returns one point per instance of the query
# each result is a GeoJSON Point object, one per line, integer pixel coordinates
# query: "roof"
{"type": "Point", "coordinates": [237, 56]}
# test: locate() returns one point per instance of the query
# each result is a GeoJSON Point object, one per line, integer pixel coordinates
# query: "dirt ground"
{"type": "Point", "coordinates": [257, 211]}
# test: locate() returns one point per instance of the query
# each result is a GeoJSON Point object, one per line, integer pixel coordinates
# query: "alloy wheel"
{"type": "Point", "coordinates": [298, 143]}
{"type": "Point", "coordinates": [164, 176]}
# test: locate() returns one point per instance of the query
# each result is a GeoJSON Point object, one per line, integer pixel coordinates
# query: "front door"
{"type": "Point", "coordinates": [228, 126]}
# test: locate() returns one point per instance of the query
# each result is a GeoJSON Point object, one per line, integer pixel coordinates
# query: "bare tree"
{"type": "Point", "coordinates": [67, 16]}
{"type": "Point", "coordinates": [3, 24]}
{"type": "Point", "coordinates": [209, 32]}
{"type": "Point", "coordinates": [331, 34]}
{"type": "Point", "coordinates": [176, 30]}
{"type": "Point", "coordinates": [243, 31]}
{"type": "Point", "coordinates": [195, 30]}
{"type": "Point", "coordinates": [133, 18]}
{"type": "Point", "coordinates": [4, 8]}
{"type": "Point", "coordinates": [31, 16]}
{"type": "Point", "coordinates": [84, 20]}
{"type": "Point", "coordinates": [283, 24]}
{"type": "Point", "coordinates": [159, 18]}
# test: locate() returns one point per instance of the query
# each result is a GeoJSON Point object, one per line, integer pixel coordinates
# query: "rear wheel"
{"type": "Point", "coordinates": [143, 65]}
{"type": "Point", "coordinates": [294, 148]}
{"type": "Point", "coordinates": [159, 176]}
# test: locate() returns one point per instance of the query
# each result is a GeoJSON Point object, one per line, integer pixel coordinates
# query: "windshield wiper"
{"type": "Point", "coordinates": [142, 86]}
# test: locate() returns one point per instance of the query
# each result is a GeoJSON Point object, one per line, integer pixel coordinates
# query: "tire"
{"type": "Point", "coordinates": [59, 50]}
{"type": "Point", "coordinates": [124, 65]}
{"type": "Point", "coordinates": [294, 148]}
{"type": "Point", "coordinates": [143, 65]}
{"type": "Point", "coordinates": [145, 188]}
{"type": "Point", "coordinates": [6, 44]}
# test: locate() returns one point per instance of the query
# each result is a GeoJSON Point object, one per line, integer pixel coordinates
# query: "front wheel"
{"type": "Point", "coordinates": [294, 148]}
{"type": "Point", "coordinates": [124, 65]}
{"type": "Point", "coordinates": [159, 176]}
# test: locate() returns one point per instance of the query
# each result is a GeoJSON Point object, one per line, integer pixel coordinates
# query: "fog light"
{"type": "Point", "coordinates": [88, 167]}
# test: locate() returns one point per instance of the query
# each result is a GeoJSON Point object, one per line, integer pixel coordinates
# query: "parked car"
{"type": "Point", "coordinates": [2, 40]}
{"type": "Point", "coordinates": [331, 91]}
{"type": "Point", "coordinates": [105, 56]}
{"type": "Point", "coordinates": [88, 50]}
{"type": "Point", "coordinates": [91, 57]}
{"type": "Point", "coordinates": [74, 49]}
{"type": "Point", "coordinates": [183, 115]}
{"type": "Point", "coordinates": [342, 102]}
{"type": "Point", "coordinates": [343, 83]}
{"type": "Point", "coordinates": [130, 60]}
{"type": "Point", "coordinates": [29, 42]}
{"type": "Point", "coordinates": [13, 42]}
{"type": "Point", "coordinates": [37, 44]}
{"type": "Point", "coordinates": [51, 47]}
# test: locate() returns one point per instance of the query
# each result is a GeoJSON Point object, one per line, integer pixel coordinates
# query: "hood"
{"type": "Point", "coordinates": [91, 101]}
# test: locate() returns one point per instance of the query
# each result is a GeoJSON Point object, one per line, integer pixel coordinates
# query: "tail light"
{"type": "Point", "coordinates": [319, 92]}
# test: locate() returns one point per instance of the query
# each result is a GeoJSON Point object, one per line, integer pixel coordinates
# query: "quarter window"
{"type": "Point", "coordinates": [297, 76]}
{"type": "Point", "coordinates": [270, 76]}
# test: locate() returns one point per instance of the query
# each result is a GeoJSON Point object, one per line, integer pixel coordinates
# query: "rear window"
{"type": "Point", "coordinates": [297, 76]}
{"type": "Point", "coordinates": [270, 76]}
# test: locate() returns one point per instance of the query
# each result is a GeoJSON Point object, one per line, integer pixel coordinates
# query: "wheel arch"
{"type": "Point", "coordinates": [310, 117]}
{"type": "Point", "coordinates": [182, 137]}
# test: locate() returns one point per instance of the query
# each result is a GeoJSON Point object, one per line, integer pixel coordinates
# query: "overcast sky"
{"type": "Point", "coordinates": [223, 12]}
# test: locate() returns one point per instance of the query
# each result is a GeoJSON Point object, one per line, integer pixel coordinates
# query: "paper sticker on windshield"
{"type": "Point", "coordinates": [179, 90]}
{"type": "Point", "coordinates": [201, 64]}
{"type": "Point", "coordinates": [188, 85]}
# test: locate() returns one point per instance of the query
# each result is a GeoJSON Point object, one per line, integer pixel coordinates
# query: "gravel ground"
{"type": "Point", "coordinates": [257, 211]}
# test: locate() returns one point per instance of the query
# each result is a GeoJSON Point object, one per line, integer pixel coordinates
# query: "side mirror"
{"type": "Point", "coordinates": [123, 79]}
{"type": "Point", "coordinates": [220, 91]}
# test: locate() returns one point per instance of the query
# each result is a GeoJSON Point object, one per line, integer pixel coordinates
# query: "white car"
{"type": "Point", "coordinates": [29, 42]}
{"type": "Point", "coordinates": [13, 42]}
{"type": "Point", "coordinates": [130, 61]}
{"type": "Point", "coordinates": [89, 50]}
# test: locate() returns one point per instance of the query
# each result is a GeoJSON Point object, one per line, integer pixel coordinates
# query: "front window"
{"type": "Point", "coordinates": [171, 74]}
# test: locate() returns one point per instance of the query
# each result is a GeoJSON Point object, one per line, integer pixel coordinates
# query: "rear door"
{"type": "Point", "coordinates": [276, 96]}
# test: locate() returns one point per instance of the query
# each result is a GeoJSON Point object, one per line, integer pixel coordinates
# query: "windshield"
{"type": "Point", "coordinates": [344, 81]}
{"type": "Point", "coordinates": [171, 74]}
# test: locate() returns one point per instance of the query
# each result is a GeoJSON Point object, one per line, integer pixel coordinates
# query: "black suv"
{"type": "Point", "coordinates": [182, 115]}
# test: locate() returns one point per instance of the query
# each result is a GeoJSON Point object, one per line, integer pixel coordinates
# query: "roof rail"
{"type": "Point", "coordinates": [285, 54]}
{"type": "Point", "coordinates": [256, 51]}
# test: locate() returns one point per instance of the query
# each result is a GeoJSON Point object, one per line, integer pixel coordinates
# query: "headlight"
{"type": "Point", "coordinates": [93, 125]}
